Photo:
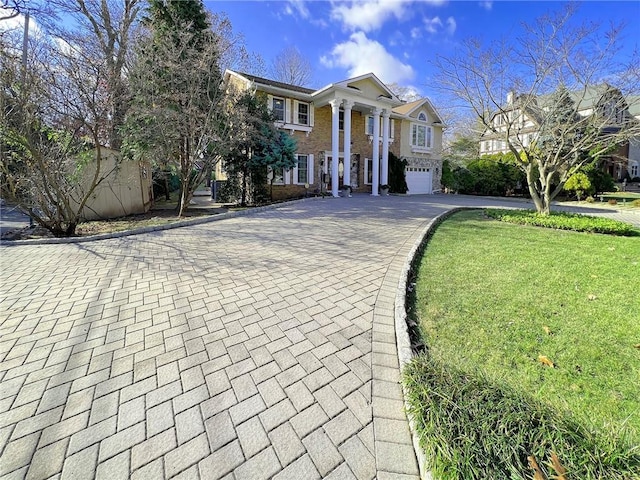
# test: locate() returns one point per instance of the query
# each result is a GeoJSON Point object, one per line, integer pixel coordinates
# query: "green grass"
{"type": "Point", "coordinates": [486, 290]}
{"type": "Point", "coordinates": [627, 195]}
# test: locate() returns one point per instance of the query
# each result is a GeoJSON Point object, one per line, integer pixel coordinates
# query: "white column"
{"type": "Point", "coordinates": [347, 142]}
{"type": "Point", "coordinates": [384, 174]}
{"type": "Point", "coordinates": [335, 144]}
{"type": "Point", "coordinates": [375, 181]}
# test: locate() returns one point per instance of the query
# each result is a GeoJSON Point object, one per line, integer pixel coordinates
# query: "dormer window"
{"type": "Point", "coordinates": [278, 109]}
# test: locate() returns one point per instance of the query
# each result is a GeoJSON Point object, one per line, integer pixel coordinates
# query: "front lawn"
{"type": "Point", "coordinates": [544, 319]}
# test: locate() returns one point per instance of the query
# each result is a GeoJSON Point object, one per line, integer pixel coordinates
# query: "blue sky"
{"type": "Point", "coordinates": [396, 39]}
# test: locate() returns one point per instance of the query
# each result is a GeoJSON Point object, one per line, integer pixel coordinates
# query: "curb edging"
{"type": "Point", "coordinates": [157, 228]}
{"type": "Point", "coordinates": [403, 342]}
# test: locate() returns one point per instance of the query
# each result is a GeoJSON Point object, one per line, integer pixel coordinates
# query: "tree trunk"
{"type": "Point", "coordinates": [535, 196]}
{"type": "Point", "coordinates": [243, 200]}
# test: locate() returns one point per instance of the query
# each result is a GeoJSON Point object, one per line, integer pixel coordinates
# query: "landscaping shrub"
{"type": "Point", "coordinates": [493, 177]}
{"type": "Point", "coordinates": [448, 178]}
{"type": "Point", "coordinates": [490, 175]}
{"type": "Point", "coordinates": [473, 428]}
{"type": "Point", "coordinates": [600, 181]}
{"type": "Point", "coordinates": [612, 201]}
{"type": "Point", "coordinates": [464, 181]}
{"type": "Point", "coordinates": [589, 199]}
{"type": "Point", "coordinates": [564, 221]}
{"type": "Point", "coordinates": [397, 179]}
{"type": "Point", "coordinates": [488, 178]}
{"type": "Point", "coordinates": [636, 203]}
{"type": "Point", "coordinates": [578, 183]}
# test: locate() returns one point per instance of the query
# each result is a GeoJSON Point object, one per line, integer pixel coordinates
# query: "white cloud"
{"type": "Point", "coordinates": [432, 24]}
{"type": "Point", "coordinates": [435, 25]}
{"type": "Point", "coordinates": [360, 55]}
{"type": "Point", "coordinates": [16, 23]}
{"type": "Point", "coordinates": [297, 7]}
{"type": "Point", "coordinates": [369, 15]}
{"type": "Point", "coordinates": [451, 25]}
{"type": "Point", "coordinates": [486, 5]}
{"type": "Point", "coordinates": [416, 33]}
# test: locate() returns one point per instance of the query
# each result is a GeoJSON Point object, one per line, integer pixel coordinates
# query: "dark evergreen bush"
{"type": "Point", "coordinates": [397, 179]}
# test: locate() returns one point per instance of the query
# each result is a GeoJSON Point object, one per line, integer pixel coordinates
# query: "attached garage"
{"type": "Point", "coordinates": [419, 180]}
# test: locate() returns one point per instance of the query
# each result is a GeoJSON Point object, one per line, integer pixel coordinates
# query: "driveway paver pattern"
{"type": "Point", "coordinates": [255, 347]}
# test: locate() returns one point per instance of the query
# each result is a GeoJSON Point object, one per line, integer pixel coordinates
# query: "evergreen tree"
{"type": "Point", "coordinates": [180, 108]}
{"type": "Point", "coordinates": [256, 146]}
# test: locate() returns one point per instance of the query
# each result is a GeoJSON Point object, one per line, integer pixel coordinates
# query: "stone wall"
{"type": "Point", "coordinates": [435, 164]}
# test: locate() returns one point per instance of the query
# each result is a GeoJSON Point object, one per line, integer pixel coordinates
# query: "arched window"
{"type": "Point", "coordinates": [422, 117]}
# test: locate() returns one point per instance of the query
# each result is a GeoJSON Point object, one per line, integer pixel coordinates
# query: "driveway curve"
{"type": "Point", "coordinates": [255, 347]}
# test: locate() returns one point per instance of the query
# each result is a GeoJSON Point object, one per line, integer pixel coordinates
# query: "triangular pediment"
{"type": "Point", "coordinates": [368, 85]}
{"type": "Point", "coordinates": [414, 109]}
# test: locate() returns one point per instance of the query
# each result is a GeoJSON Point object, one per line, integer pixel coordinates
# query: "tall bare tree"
{"type": "Point", "coordinates": [289, 66]}
{"type": "Point", "coordinates": [544, 95]}
{"type": "Point", "coordinates": [105, 27]}
{"type": "Point", "coordinates": [407, 94]}
{"type": "Point", "coordinates": [51, 123]}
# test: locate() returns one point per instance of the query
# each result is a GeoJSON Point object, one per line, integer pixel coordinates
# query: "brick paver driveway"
{"type": "Point", "coordinates": [248, 348]}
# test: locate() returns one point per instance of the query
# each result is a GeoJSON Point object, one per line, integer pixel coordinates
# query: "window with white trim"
{"type": "Point", "coordinates": [303, 113]}
{"type": "Point", "coordinates": [369, 125]}
{"type": "Point", "coordinates": [421, 136]}
{"type": "Point", "coordinates": [341, 120]}
{"type": "Point", "coordinates": [634, 170]}
{"type": "Point", "coordinates": [302, 169]}
{"type": "Point", "coordinates": [422, 117]}
{"type": "Point", "coordinates": [278, 109]}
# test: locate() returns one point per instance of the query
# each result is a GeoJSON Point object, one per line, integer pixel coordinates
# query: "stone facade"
{"type": "Point", "coordinates": [434, 164]}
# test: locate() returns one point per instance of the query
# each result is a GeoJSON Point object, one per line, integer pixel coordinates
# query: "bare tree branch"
{"type": "Point", "coordinates": [557, 96]}
{"type": "Point", "coordinates": [290, 67]}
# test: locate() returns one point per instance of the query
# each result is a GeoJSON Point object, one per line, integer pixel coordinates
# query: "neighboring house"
{"type": "Point", "coordinates": [358, 122]}
{"type": "Point", "coordinates": [520, 114]}
{"type": "Point", "coordinates": [126, 189]}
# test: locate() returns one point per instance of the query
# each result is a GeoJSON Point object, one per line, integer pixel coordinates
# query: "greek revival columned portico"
{"type": "Point", "coordinates": [369, 97]}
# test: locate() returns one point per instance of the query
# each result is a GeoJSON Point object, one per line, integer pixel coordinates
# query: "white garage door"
{"type": "Point", "coordinates": [419, 180]}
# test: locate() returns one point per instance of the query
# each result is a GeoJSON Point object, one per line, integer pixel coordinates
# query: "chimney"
{"type": "Point", "coordinates": [511, 95]}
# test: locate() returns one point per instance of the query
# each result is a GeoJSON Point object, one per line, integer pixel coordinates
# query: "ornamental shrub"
{"type": "Point", "coordinates": [397, 178]}
{"type": "Point", "coordinates": [564, 221]}
{"type": "Point", "coordinates": [578, 183]}
{"type": "Point", "coordinates": [600, 181]}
